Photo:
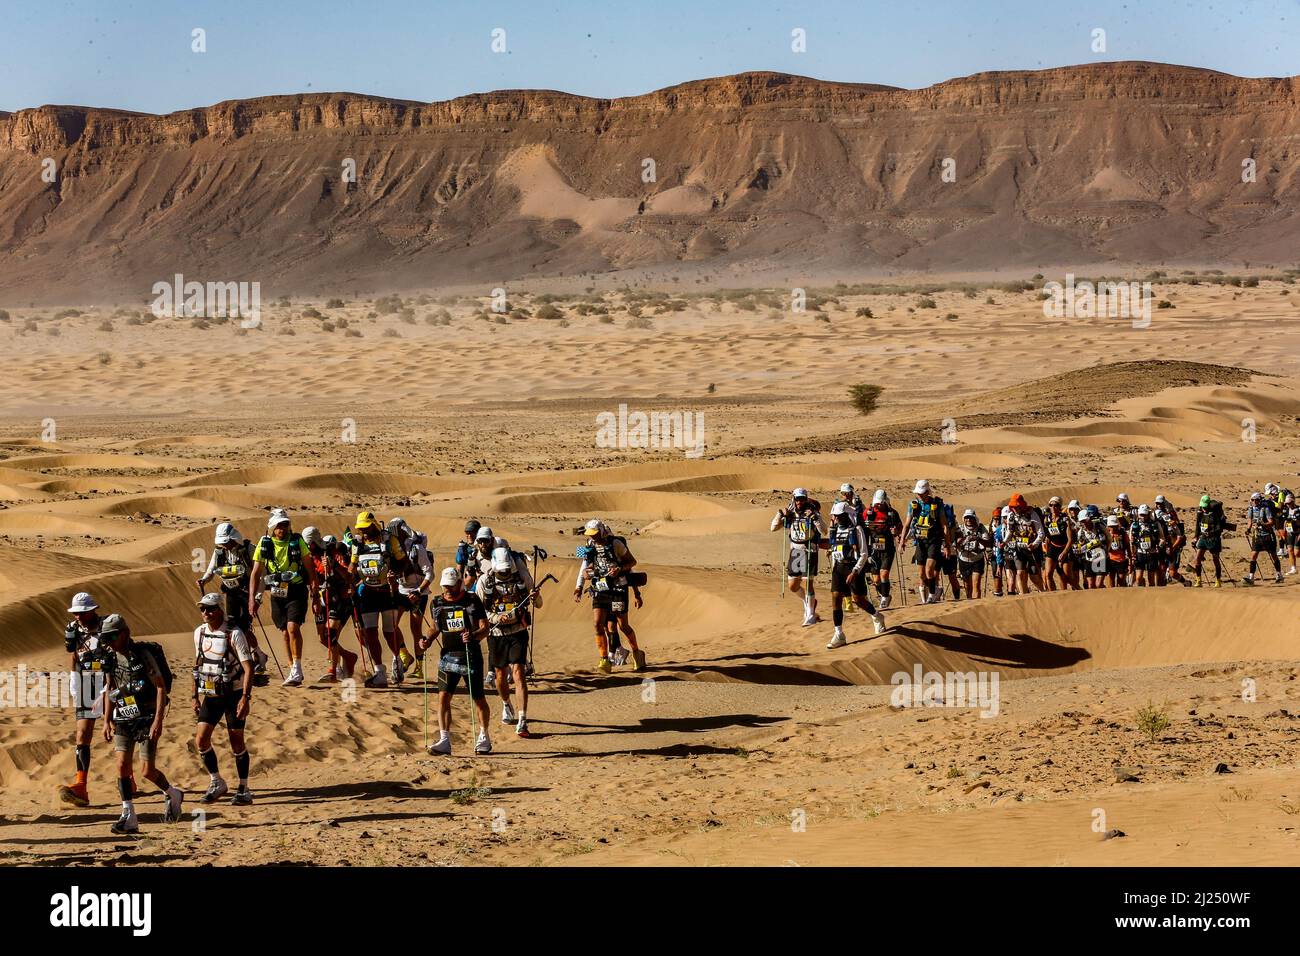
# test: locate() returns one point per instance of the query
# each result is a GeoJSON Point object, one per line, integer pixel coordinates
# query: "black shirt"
{"type": "Point", "coordinates": [456, 618]}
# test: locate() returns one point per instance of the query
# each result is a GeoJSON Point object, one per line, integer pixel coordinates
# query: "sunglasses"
{"type": "Point", "coordinates": [211, 610]}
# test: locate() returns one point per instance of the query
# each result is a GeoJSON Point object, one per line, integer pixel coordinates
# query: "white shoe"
{"type": "Point", "coordinates": [127, 823]}
{"type": "Point", "coordinates": [1292, 571]}
{"type": "Point", "coordinates": [507, 714]}
{"type": "Point", "coordinates": [878, 619]}
{"type": "Point", "coordinates": [443, 746]}
{"type": "Point", "coordinates": [838, 640]}
{"type": "Point", "coordinates": [883, 602]}
{"type": "Point", "coordinates": [399, 670]}
{"type": "Point", "coordinates": [295, 677]}
{"type": "Point", "coordinates": [378, 679]}
{"type": "Point", "coordinates": [484, 746]}
{"type": "Point", "coordinates": [172, 812]}
{"type": "Point", "coordinates": [216, 790]}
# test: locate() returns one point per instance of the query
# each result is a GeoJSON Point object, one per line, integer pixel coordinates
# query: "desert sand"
{"type": "Point", "coordinates": [751, 743]}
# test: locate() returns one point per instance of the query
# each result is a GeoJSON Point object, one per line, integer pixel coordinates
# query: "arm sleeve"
{"type": "Point", "coordinates": [581, 571]}
{"type": "Point", "coordinates": [212, 568]}
{"type": "Point", "coordinates": [863, 554]}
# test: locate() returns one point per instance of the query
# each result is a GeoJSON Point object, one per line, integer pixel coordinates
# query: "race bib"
{"type": "Point", "coordinates": [207, 687]}
{"type": "Point", "coordinates": [128, 709]}
{"type": "Point", "coordinates": [599, 584]}
{"type": "Point", "coordinates": [370, 566]}
{"type": "Point", "coordinates": [455, 621]}
{"type": "Point", "coordinates": [280, 589]}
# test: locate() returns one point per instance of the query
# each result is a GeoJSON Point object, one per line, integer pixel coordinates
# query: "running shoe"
{"type": "Point", "coordinates": [484, 746]}
{"type": "Point", "coordinates": [638, 660]}
{"type": "Point", "coordinates": [838, 640]}
{"type": "Point", "coordinates": [602, 666]}
{"type": "Point", "coordinates": [416, 670]}
{"type": "Point", "coordinates": [441, 747]}
{"type": "Point", "coordinates": [243, 797]}
{"type": "Point", "coordinates": [295, 676]}
{"type": "Point", "coordinates": [619, 657]}
{"type": "Point", "coordinates": [884, 601]}
{"type": "Point", "coordinates": [879, 621]}
{"type": "Point", "coordinates": [128, 822]}
{"type": "Point", "coordinates": [407, 659]}
{"type": "Point", "coordinates": [521, 729]}
{"type": "Point", "coordinates": [399, 669]}
{"type": "Point", "coordinates": [74, 794]}
{"type": "Point", "coordinates": [329, 677]}
{"type": "Point", "coordinates": [216, 790]}
{"type": "Point", "coordinates": [347, 666]}
{"type": "Point", "coordinates": [378, 679]}
{"type": "Point", "coordinates": [507, 714]}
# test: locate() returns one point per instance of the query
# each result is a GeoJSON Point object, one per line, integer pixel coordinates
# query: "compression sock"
{"type": "Point", "coordinates": [209, 758]}
{"type": "Point", "coordinates": [883, 588]}
{"type": "Point", "coordinates": [837, 615]}
{"type": "Point", "coordinates": [1252, 568]}
{"type": "Point", "coordinates": [126, 791]}
{"type": "Point", "coordinates": [83, 762]}
{"type": "Point", "coordinates": [241, 768]}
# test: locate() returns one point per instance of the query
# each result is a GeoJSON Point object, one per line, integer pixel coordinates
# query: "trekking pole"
{"type": "Point", "coordinates": [269, 645]}
{"type": "Point", "coordinates": [785, 559]}
{"type": "Point", "coordinates": [902, 575]}
{"type": "Point", "coordinates": [361, 636]}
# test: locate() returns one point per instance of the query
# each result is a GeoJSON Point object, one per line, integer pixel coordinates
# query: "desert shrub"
{"type": "Point", "coordinates": [29, 325]}
{"type": "Point", "coordinates": [638, 322]}
{"type": "Point", "coordinates": [388, 305]}
{"type": "Point", "coordinates": [500, 320]}
{"type": "Point", "coordinates": [67, 313]}
{"type": "Point", "coordinates": [864, 313]}
{"type": "Point", "coordinates": [1164, 304]}
{"type": "Point", "coordinates": [104, 358]}
{"type": "Point", "coordinates": [408, 316]}
{"type": "Point", "coordinates": [951, 316]}
{"type": "Point", "coordinates": [925, 302]}
{"type": "Point", "coordinates": [4, 316]}
{"type": "Point", "coordinates": [864, 397]}
{"type": "Point", "coordinates": [391, 334]}
{"type": "Point", "coordinates": [335, 304]}
{"type": "Point", "coordinates": [353, 333]}
{"type": "Point", "coordinates": [988, 300]}
{"type": "Point", "coordinates": [1152, 721]}
{"type": "Point", "coordinates": [133, 320]}
{"type": "Point", "coordinates": [1250, 282]}
{"type": "Point", "coordinates": [327, 326]}
{"type": "Point", "coordinates": [311, 314]}
{"type": "Point", "coordinates": [549, 311]}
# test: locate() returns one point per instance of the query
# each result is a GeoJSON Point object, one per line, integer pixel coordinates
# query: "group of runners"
{"type": "Point", "coordinates": [1022, 547]}
{"type": "Point", "coordinates": [379, 576]}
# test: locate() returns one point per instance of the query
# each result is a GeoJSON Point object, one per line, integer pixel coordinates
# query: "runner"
{"type": "Point", "coordinates": [1291, 527]}
{"type": "Point", "coordinates": [92, 661]}
{"type": "Point", "coordinates": [998, 535]}
{"type": "Point", "coordinates": [1058, 544]}
{"type": "Point", "coordinates": [280, 563]}
{"type": "Point", "coordinates": [223, 689]}
{"type": "Point", "coordinates": [973, 542]}
{"type": "Point", "coordinates": [507, 592]}
{"type": "Point", "coordinates": [1117, 552]}
{"type": "Point", "coordinates": [932, 536]}
{"type": "Point", "coordinates": [333, 606]}
{"type": "Point", "coordinates": [413, 592]}
{"type": "Point", "coordinates": [461, 622]}
{"type": "Point", "coordinates": [376, 563]}
{"type": "Point", "coordinates": [1090, 548]}
{"type": "Point", "coordinates": [1146, 543]}
{"type": "Point", "coordinates": [849, 557]}
{"type": "Point", "coordinates": [137, 704]}
{"type": "Point", "coordinates": [1261, 532]}
{"type": "Point", "coordinates": [1209, 528]}
{"type": "Point", "coordinates": [606, 561]}
{"type": "Point", "coordinates": [949, 563]}
{"type": "Point", "coordinates": [1124, 510]}
{"type": "Point", "coordinates": [884, 532]}
{"type": "Point", "coordinates": [802, 522]}
{"type": "Point", "coordinates": [232, 561]}
{"type": "Point", "coordinates": [850, 497]}
{"type": "Point", "coordinates": [480, 559]}
{"type": "Point", "coordinates": [465, 551]}
{"type": "Point", "coordinates": [1175, 535]}
{"type": "Point", "coordinates": [1025, 533]}
{"type": "Point", "coordinates": [1071, 562]}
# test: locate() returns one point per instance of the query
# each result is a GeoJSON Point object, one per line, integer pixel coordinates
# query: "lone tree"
{"type": "Point", "coordinates": [864, 397]}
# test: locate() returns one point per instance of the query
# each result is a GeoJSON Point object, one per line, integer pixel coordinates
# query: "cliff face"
{"type": "Point", "coordinates": [1127, 161]}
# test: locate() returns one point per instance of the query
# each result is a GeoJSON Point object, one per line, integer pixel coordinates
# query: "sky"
{"type": "Point", "coordinates": [137, 54]}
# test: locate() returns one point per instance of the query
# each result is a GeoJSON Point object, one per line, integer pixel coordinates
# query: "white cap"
{"type": "Point", "coordinates": [501, 560]}
{"type": "Point", "coordinates": [1122, 496]}
{"type": "Point", "coordinates": [840, 508]}
{"type": "Point", "coordinates": [879, 496]}
{"type": "Point", "coordinates": [311, 534]}
{"type": "Point", "coordinates": [1143, 510]}
{"type": "Point", "coordinates": [593, 527]}
{"type": "Point", "coordinates": [799, 493]}
{"type": "Point", "coordinates": [211, 599]}
{"type": "Point", "coordinates": [278, 517]}
{"type": "Point", "coordinates": [81, 603]}
{"type": "Point", "coordinates": [922, 487]}
{"type": "Point", "coordinates": [1074, 504]}
{"type": "Point", "coordinates": [1271, 488]}
{"type": "Point", "coordinates": [227, 533]}
{"type": "Point", "coordinates": [846, 488]}
{"type": "Point", "coordinates": [969, 513]}
{"type": "Point", "coordinates": [449, 577]}
{"type": "Point", "coordinates": [1160, 499]}
{"type": "Point", "coordinates": [398, 526]}
{"type": "Point", "coordinates": [1112, 521]}
{"type": "Point", "coordinates": [483, 534]}
{"type": "Point", "coordinates": [1255, 496]}
{"type": "Point", "coordinates": [1006, 511]}
{"type": "Point", "coordinates": [1054, 500]}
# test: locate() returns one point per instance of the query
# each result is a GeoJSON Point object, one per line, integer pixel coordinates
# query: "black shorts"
{"type": "Point", "coordinates": [802, 563]}
{"type": "Point", "coordinates": [882, 559]}
{"type": "Point", "coordinates": [967, 568]}
{"type": "Point", "coordinates": [340, 608]}
{"type": "Point", "coordinates": [1292, 539]}
{"type": "Point", "coordinates": [1114, 566]}
{"type": "Point", "coordinates": [415, 603]}
{"type": "Point", "coordinates": [237, 609]}
{"type": "Point", "coordinates": [291, 608]}
{"type": "Point", "coordinates": [449, 680]}
{"type": "Point", "coordinates": [614, 600]}
{"type": "Point", "coordinates": [1146, 562]}
{"type": "Point", "coordinates": [1264, 543]}
{"type": "Point", "coordinates": [213, 709]}
{"type": "Point", "coordinates": [928, 549]}
{"type": "Point", "coordinates": [839, 580]}
{"type": "Point", "coordinates": [1025, 560]}
{"type": "Point", "coordinates": [508, 649]}
{"type": "Point", "coordinates": [1056, 552]}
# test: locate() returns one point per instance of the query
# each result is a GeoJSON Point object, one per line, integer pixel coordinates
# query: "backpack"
{"type": "Point", "coordinates": [160, 659]}
{"type": "Point", "coordinates": [266, 550]}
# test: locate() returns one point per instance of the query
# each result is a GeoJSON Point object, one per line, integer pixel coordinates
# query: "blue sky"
{"type": "Point", "coordinates": [135, 54]}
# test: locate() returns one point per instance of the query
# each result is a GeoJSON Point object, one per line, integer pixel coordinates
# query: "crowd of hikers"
{"type": "Point", "coordinates": [378, 576]}
{"type": "Point", "coordinates": [1022, 547]}
{"type": "Point", "coordinates": [381, 578]}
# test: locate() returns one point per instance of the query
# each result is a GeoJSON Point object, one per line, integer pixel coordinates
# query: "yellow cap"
{"type": "Point", "coordinates": [365, 519]}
